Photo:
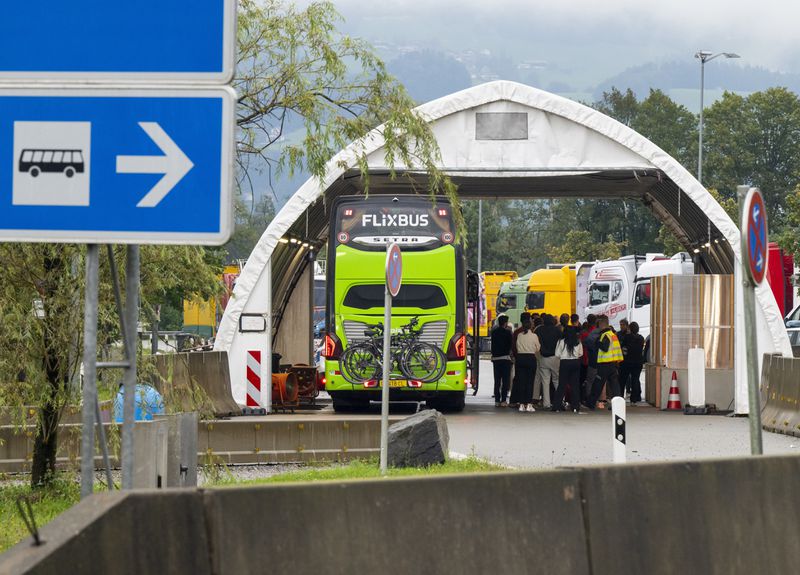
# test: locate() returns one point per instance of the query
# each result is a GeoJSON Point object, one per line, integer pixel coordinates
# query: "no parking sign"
{"type": "Point", "coordinates": [394, 269]}
{"type": "Point", "coordinates": [754, 224]}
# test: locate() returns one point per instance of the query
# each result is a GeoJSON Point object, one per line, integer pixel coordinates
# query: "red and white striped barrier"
{"type": "Point", "coordinates": [253, 378]}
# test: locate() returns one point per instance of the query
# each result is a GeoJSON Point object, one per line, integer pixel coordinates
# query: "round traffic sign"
{"type": "Point", "coordinates": [394, 269]}
{"type": "Point", "coordinates": [754, 224]}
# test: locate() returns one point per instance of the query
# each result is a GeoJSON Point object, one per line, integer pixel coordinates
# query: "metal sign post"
{"type": "Point", "coordinates": [394, 279]}
{"type": "Point", "coordinates": [754, 264]}
{"type": "Point", "coordinates": [89, 368]}
{"type": "Point", "coordinates": [129, 378]}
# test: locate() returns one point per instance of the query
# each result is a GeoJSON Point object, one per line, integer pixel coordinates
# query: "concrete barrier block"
{"type": "Point", "coordinates": [226, 438]}
{"type": "Point", "coordinates": [197, 381]}
{"type": "Point", "coordinates": [182, 445]}
{"type": "Point", "coordinates": [780, 383]}
{"type": "Point", "coordinates": [150, 447]}
{"type": "Point", "coordinates": [489, 523]}
{"type": "Point", "coordinates": [710, 517]}
{"type": "Point", "coordinates": [122, 533]}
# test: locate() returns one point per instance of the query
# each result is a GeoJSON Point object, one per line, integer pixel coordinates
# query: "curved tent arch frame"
{"type": "Point", "coordinates": [571, 141]}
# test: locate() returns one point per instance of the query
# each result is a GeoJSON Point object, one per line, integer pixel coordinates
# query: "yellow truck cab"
{"type": "Point", "coordinates": [492, 280]}
{"type": "Point", "coordinates": [551, 291]}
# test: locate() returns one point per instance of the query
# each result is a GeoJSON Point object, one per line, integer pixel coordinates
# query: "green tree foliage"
{"type": "Point", "coordinates": [40, 305]}
{"type": "Point", "coordinates": [754, 140]}
{"type": "Point", "coordinates": [789, 237]}
{"type": "Point", "coordinates": [670, 126]}
{"type": "Point", "coordinates": [296, 71]}
{"type": "Point", "coordinates": [579, 246]}
{"type": "Point", "coordinates": [251, 221]}
{"type": "Point", "coordinates": [524, 235]}
{"type": "Point", "coordinates": [41, 288]}
{"type": "Point", "coordinates": [622, 106]}
{"type": "Point", "coordinates": [730, 205]}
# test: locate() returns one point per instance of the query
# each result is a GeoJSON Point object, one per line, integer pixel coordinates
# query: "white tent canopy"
{"type": "Point", "coordinates": [497, 140]}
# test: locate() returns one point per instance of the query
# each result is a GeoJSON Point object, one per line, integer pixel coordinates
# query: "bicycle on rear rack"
{"type": "Point", "coordinates": [411, 358]}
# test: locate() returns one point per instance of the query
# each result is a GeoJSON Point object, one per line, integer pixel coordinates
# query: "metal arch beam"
{"type": "Point", "coordinates": [640, 184]}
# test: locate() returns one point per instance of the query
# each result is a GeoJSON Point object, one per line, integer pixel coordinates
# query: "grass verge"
{"type": "Point", "coordinates": [47, 503]}
{"type": "Point", "coordinates": [358, 469]}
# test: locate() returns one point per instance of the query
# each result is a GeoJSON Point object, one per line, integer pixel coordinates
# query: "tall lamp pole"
{"type": "Point", "coordinates": [480, 234]}
{"type": "Point", "coordinates": [705, 56]}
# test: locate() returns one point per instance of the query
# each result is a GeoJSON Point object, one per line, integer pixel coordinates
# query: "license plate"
{"type": "Point", "coordinates": [398, 383]}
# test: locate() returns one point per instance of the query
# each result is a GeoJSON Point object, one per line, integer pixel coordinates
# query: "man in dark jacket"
{"type": "Point", "coordinates": [501, 360]}
{"type": "Point", "coordinates": [549, 334]}
{"type": "Point", "coordinates": [631, 368]}
{"type": "Point", "coordinates": [590, 349]}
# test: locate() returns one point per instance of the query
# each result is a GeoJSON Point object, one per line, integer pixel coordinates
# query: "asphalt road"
{"type": "Point", "coordinates": [546, 439]}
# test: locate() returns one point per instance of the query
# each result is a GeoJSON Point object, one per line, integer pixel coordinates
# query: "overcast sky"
{"type": "Point", "coordinates": [598, 37]}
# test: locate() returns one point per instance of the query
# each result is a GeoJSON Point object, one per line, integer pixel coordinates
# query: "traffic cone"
{"type": "Point", "coordinates": [674, 401]}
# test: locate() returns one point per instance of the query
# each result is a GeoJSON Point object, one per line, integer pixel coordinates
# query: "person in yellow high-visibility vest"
{"type": "Point", "coordinates": [609, 355]}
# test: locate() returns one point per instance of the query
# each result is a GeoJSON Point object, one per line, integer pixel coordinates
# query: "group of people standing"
{"type": "Point", "coordinates": [557, 363]}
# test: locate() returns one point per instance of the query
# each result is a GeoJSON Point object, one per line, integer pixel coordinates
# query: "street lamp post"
{"type": "Point", "coordinates": [705, 56]}
{"type": "Point", "coordinates": [480, 235]}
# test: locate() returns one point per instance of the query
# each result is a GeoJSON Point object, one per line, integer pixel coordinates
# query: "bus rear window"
{"type": "Point", "coordinates": [368, 296]}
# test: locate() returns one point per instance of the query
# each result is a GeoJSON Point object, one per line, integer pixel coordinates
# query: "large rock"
{"type": "Point", "coordinates": [419, 440]}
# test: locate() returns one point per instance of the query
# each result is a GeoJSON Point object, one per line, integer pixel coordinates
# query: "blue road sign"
{"type": "Point", "coordinates": [116, 165]}
{"type": "Point", "coordinates": [154, 40]}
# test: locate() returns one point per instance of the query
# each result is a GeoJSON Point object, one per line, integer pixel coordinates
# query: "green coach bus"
{"type": "Point", "coordinates": [433, 290]}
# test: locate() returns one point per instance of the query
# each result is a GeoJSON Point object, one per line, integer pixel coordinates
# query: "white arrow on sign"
{"type": "Point", "coordinates": [173, 164]}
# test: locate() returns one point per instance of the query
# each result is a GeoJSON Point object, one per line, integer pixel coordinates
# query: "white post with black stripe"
{"type": "Point", "coordinates": [618, 428]}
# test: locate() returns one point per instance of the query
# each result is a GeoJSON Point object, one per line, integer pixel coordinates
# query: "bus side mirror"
{"type": "Point", "coordinates": [473, 288]}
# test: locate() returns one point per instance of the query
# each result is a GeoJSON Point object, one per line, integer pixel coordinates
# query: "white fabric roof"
{"type": "Point", "coordinates": [570, 150]}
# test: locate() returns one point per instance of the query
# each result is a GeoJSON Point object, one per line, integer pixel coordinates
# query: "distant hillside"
{"type": "Point", "coordinates": [677, 77]}
{"type": "Point", "coordinates": [429, 74]}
